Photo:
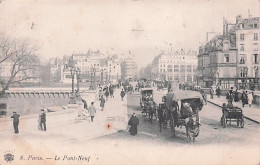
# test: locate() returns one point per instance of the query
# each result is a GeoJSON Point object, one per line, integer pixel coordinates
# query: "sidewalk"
{"type": "Point", "coordinates": [252, 113]}
{"type": "Point", "coordinates": [62, 126]}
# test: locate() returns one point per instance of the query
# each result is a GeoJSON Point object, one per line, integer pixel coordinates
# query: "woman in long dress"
{"type": "Point", "coordinates": [250, 98]}
{"type": "Point", "coordinates": [133, 122]}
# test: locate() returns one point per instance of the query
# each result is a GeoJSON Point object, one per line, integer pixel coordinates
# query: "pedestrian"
{"type": "Point", "coordinates": [244, 98]}
{"type": "Point", "coordinates": [122, 94]}
{"type": "Point", "coordinates": [236, 98]}
{"type": "Point", "coordinates": [43, 120]}
{"type": "Point", "coordinates": [85, 104]}
{"type": "Point", "coordinates": [102, 103]}
{"type": "Point", "coordinates": [15, 122]}
{"type": "Point", "coordinates": [211, 93]}
{"type": "Point", "coordinates": [92, 111]}
{"type": "Point", "coordinates": [133, 123]}
{"type": "Point", "coordinates": [111, 91]}
{"type": "Point", "coordinates": [218, 92]}
{"type": "Point", "coordinates": [107, 94]}
{"type": "Point", "coordinates": [250, 98]}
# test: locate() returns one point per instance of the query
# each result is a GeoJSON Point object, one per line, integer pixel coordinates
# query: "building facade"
{"type": "Point", "coordinates": [231, 59]}
{"type": "Point", "coordinates": [178, 66]}
{"type": "Point", "coordinates": [247, 34]}
{"type": "Point", "coordinates": [94, 67]}
{"type": "Point", "coordinates": [129, 68]}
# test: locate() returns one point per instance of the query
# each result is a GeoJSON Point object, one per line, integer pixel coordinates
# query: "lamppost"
{"type": "Point", "coordinates": [217, 77]}
{"type": "Point", "coordinates": [72, 68]}
{"type": "Point", "coordinates": [256, 74]}
{"type": "Point", "coordinates": [102, 76]}
{"type": "Point", "coordinates": [245, 71]}
{"type": "Point", "coordinates": [78, 78]}
{"type": "Point", "coordinates": [72, 72]}
{"type": "Point", "coordinates": [93, 74]}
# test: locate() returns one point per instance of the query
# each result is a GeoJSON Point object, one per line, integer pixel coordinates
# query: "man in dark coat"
{"type": "Point", "coordinates": [102, 103]}
{"type": "Point", "coordinates": [15, 121]}
{"type": "Point", "coordinates": [107, 93]}
{"type": "Point", "coordinates": [236, 98]}
{"type": "Point", "coordinates": [85, 104]}
{"type": "Point", "coordinates": [122, 94]}
{"type": "Point", "coordinates": [111, 91]}
{"type": "Point", "coordinates": [218, 92]}
{"type": "Point", "coordinates": [244, 98]}
{"type": "Point", "coordinates": [43, 120]}
{"type": "Point", "coordinates": [133, 122]}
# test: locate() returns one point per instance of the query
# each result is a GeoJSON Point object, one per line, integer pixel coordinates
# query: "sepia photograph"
{"type": "Point", "coordinates": [134, 82]}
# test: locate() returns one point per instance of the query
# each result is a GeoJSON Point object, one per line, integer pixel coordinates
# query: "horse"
{"type": "Point", "coordinates": [152, 111]}
{"type": "Point", "coordinates": [192, 125]}
{"type": "Point", "coordinates": [162, 115]}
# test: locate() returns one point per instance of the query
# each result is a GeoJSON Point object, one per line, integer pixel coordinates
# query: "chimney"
{"type": "Point", "coordinates": [238, 19]}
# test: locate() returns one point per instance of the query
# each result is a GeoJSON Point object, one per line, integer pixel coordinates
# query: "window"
{"type": "Point", "coordinates": [226, 58]}
{"type": "Point", "coordinates": [242, 26]}
{"type": "Point", "coordinates": [169, 68]}
{"type": "Point", "coordinates": [255, 47]}
{"type": "Point", "coordinates": [176, 68]}
{"type": "Point", "coordinates": [255, 25]}
{"type": "Point", "coordinates": [242, 47]}
{"type": "Point", "coordinates": [256, 58]}
{"type": "Point", "coordinates": [255, 36]}
{"type": "Point", "coordinates": [182, 69]}
{"type": "Point", "coordinates": [161, 70]}
{"type": "Point", "coordinates": [242, 37]}
{"type": "Point", "coordinates": [188, 68]}
{"type": "Point", "coordinates": [225, 47]}
{"type": "Point", "coordinates": [242, 59]}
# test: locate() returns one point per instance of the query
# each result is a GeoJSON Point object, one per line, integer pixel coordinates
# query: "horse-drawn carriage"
{"type": "Point", "coordinates": [231, 113]}
{"type": "Point", "coordinates": [147, 103]}
{"type": "Point", "coordinates": [181, 108]}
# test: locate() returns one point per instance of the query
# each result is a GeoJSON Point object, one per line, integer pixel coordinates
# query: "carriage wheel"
{"type": "Point", "coordinates": [242, 122]}
{"type": "Point", "coordinates": [172, 125]}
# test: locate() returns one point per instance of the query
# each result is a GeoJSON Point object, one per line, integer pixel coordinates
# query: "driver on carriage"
{"type": "Point", "coordinates": [191, 117]}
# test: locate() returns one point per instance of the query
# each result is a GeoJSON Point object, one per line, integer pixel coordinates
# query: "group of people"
{"type": "Point", "coordinates": [246, 97]}
{"type": "Point", "coordinates": [41, 121]}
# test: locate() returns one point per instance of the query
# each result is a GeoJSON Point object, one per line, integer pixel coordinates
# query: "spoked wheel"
{"type": "Point", "coordinates": [242, 122]}
{"type": "Point", "coordinates": [238, 122]}
{"type": "Point", "coordinates": [172, 125]}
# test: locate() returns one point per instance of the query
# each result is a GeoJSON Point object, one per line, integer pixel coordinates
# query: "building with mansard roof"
{"type": "Point", "coordinates": [231, 59]}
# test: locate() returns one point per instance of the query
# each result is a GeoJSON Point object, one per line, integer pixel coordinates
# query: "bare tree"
{"type": "Point", "coordinates": [18, 60]}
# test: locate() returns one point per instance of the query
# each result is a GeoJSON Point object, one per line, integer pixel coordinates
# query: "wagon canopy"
{"type": "Point", "coordinates": [147, 90]}
{"type": "Point", "coordinates": [183, 95]}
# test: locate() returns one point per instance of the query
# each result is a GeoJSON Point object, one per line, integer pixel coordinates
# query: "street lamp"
{"type": "Point", "coordinates": [72, 72]}
{"type": "Point", "coordinates": [245, 70]}
{"type": "Point", "coordinates": [93, 74]}
{"type": "Point", "coordinates": [78, 78]}
{"type": "Point", "coordinates": [256, 74]}
{"type": "Point", "coordinates": [217, 77]}
{"type": "Point", "coordinates": [102, 75]}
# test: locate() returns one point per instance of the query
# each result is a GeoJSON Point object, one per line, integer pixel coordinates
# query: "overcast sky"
{"type": "Point", "coordinates": [144, 27]}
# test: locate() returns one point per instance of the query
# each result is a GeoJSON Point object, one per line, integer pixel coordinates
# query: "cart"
{"type": "Point", "coordinates": [232, 114]}
{"type": "Point", "coordinates": [175, 103]}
